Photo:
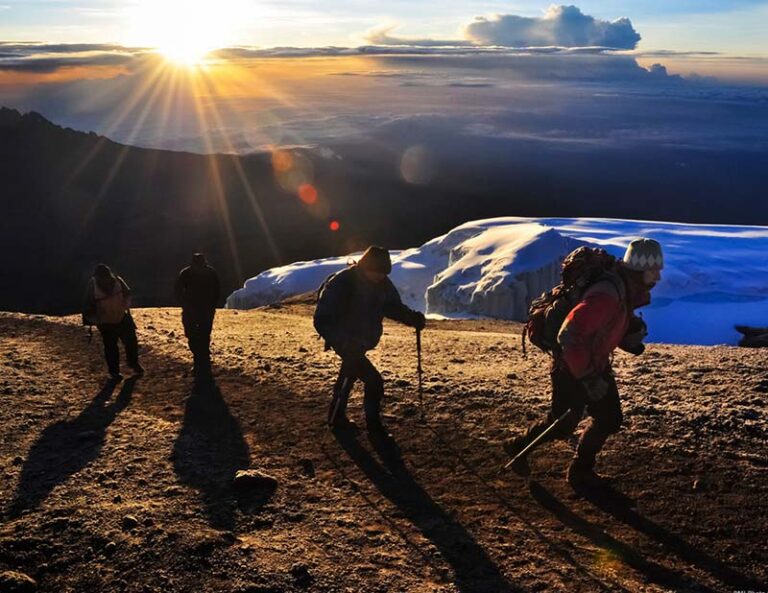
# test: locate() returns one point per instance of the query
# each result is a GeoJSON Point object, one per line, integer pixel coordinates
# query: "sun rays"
{"type": "Point", "coordinates": [201, 102]}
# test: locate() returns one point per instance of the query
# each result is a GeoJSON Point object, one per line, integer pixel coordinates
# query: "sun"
{"type": "Point", "coordinates": [184, 31]}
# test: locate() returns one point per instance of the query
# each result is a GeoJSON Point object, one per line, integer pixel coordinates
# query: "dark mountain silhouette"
{"type": "Point", "coordinates": [72, 199]}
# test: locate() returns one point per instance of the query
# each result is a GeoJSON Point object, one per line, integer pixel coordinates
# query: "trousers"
{"type": "Point", "coordinates": [198, 325]}
{"type": "Point", "coordinates": [569, 393]}
{"type": "Point", "coordinates": [125, 331]}
{"type": "Point", "coordinates": [357, 367]}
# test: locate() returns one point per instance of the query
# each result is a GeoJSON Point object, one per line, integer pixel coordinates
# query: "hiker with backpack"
{"type": "Point", "coordinates": [350, 308]}
{"type": "Point", "coordinates": [580, 323]}
{"type": "Point", "coordinates": [198, 291]}
{"type": "Point", "coordinates": [107, 306]}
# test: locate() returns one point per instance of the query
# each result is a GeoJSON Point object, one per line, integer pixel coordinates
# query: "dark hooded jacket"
{"type": "Point", "coordinates": [198, 288]}
{"type": "Point", "coordinates": [351, 308]}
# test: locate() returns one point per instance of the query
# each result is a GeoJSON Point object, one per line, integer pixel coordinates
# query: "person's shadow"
{"type": "Point", "coordinates": [68, 446]}
{"type": "Point", "coordinates": [620, 507]}
{"type": "Point", "coordinates": [209, 450]}
{"type": "Point", "coordinates": [616, 504]}
{"type": "Point", "coordinates": [474, 570]}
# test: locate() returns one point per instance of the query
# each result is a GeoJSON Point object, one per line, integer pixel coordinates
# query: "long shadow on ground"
{"type": "Point", "coordinates": [68, 446]}
{"type": "Point", "coordinates": [614, 548]}
{"type": "Point", "coordinates": [208, 451]}
{"type": "Point", "coordinates": [614, 503]}
{"type": "Point", "coordinates": [474, 570]}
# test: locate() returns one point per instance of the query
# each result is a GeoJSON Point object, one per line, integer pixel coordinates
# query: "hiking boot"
{"type": "Point", "coordinates": [582, 476]}
{"type": "Point", "coordinates": [137, 369]}
{"type": "Point", "coordinates": [512, 447]}
{"type": "Point", "coordinates": [115, 377]}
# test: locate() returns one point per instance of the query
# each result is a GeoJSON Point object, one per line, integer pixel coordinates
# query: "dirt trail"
{"type": "Point", "coordinates": [129, 488]}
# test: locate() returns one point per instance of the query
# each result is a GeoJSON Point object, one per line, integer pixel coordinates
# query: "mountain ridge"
{"type": "Point", "coordinates": [72, 199]}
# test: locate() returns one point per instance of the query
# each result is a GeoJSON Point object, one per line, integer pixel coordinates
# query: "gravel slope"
{"type": "Point", "coordinates": [130, 489]}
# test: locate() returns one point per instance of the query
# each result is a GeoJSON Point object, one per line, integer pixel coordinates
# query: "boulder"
{"type": "Point", "coordinates": [16, 582]}
{"type": "Point", "coordinates": [252, 479]}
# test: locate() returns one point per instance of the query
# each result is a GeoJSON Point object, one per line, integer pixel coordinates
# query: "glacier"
{"type": "Point", "coordinates": [715, 276]}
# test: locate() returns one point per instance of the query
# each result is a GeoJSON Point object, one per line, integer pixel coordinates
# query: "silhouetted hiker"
{"type": "Point", "coordinates": [350, 308]}
{"type": "Point", "coordinates": [581, 372]}
{"type": "Point", "coordinates": [107, 306]}
{"type": "Point", "coordinates": [198, 291]}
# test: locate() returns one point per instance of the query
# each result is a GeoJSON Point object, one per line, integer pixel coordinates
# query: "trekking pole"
{"type": "Point", "coordinates": [419, 373]}
{"type": "Point", "coordinates": [535, 442]}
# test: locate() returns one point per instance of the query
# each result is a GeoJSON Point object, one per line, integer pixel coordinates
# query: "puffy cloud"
{"type": "Point", "coordinates": [382, 36]}
{"type": "Point", "coordinates": [564, 26]}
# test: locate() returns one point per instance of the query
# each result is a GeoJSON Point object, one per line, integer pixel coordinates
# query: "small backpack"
{"type": "Point", "coordinates": [350, 290]}
{"type": "Point", "coordinates": [581, 269]}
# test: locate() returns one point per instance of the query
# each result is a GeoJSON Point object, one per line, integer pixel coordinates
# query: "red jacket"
{"type": "Point", "coordinates": [593, 330]}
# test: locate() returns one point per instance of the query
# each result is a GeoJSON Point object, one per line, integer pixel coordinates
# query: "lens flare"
{"type": "Point", "coordinates": [308, 193]}
{"type": "Point", "coordinates": [334, 225]}
{"type": "Point", "coordinates": [282, 161]}
{"type": "Point", "coordinates": [417, 165]}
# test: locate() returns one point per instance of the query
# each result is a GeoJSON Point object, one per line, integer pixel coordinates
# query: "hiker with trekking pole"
{"type": "Point", "coordinates": [580, 323]}
{"type": "Point", "coordinates": [351, 306]}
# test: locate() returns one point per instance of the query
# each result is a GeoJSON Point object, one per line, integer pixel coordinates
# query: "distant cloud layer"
{"type": "Point", "coordinates": [46, 57]}
{"type": "Point", "coordinates": [564, 26]}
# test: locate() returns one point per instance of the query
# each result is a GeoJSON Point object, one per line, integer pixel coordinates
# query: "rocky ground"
{"type": "Point", "coordinates": [130, 487]}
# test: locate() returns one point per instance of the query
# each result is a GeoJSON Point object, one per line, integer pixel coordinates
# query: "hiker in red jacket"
{"type": "Point", "coordinates": [581, 371]}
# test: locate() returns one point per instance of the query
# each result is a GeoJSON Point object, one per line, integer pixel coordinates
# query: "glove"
{"type": "Point", "coordinates": [418, 321]}
{"type": "Point", "coordinates": [595, 387]}
{"type": "Point", "coordinates": [633, 339]}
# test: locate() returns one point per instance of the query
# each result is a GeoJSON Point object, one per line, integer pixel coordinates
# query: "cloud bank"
{"type": "Point", "coordinates": [47, 58]}
{"type": "Point", "coordinates": [564, 26]}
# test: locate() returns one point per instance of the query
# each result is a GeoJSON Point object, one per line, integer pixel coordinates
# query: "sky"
{"type": "Point", "coordinates": [733, 27]}
{"type": "Point", "coordinates": [247, 75]}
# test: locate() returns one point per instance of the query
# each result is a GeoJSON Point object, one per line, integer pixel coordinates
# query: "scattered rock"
{"type": "Point", "coordinates": [402, 382]}
{"type": "Point", "coordinates": [750, 414]}
{"type": "Point", "coordinates": [307, 467]}
{"type": "Point", "coordinates": [130, 522]}
{"type": "Point", "coordinates": [117, 499]}
{"type": "Point", "coordinates": [301, 576]}
{"type": "Point", "coordinates": [18, 460]}
{"type": "Point", "coordinates": [302, 349]}
{"type": "Point", "coordinates": [58, 524]}
{"type": "Point", "coordinates": [204, 548]}
{"type": "Point", "coordinates": [253, 588]}
{"type": "Point", "coordinates": [110, 548]}
{"type": "Point", "coordinates": [228, 538]}
{"type": "Point", "coordinates": [698, 486]}
{"type": "Point", "coordinates": [16, 582]}
{"type": "Point", "coordinates": [251, 479]}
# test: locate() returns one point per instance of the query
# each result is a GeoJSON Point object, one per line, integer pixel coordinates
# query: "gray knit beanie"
{"type": "Point", "coordinates": [644, 254]}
